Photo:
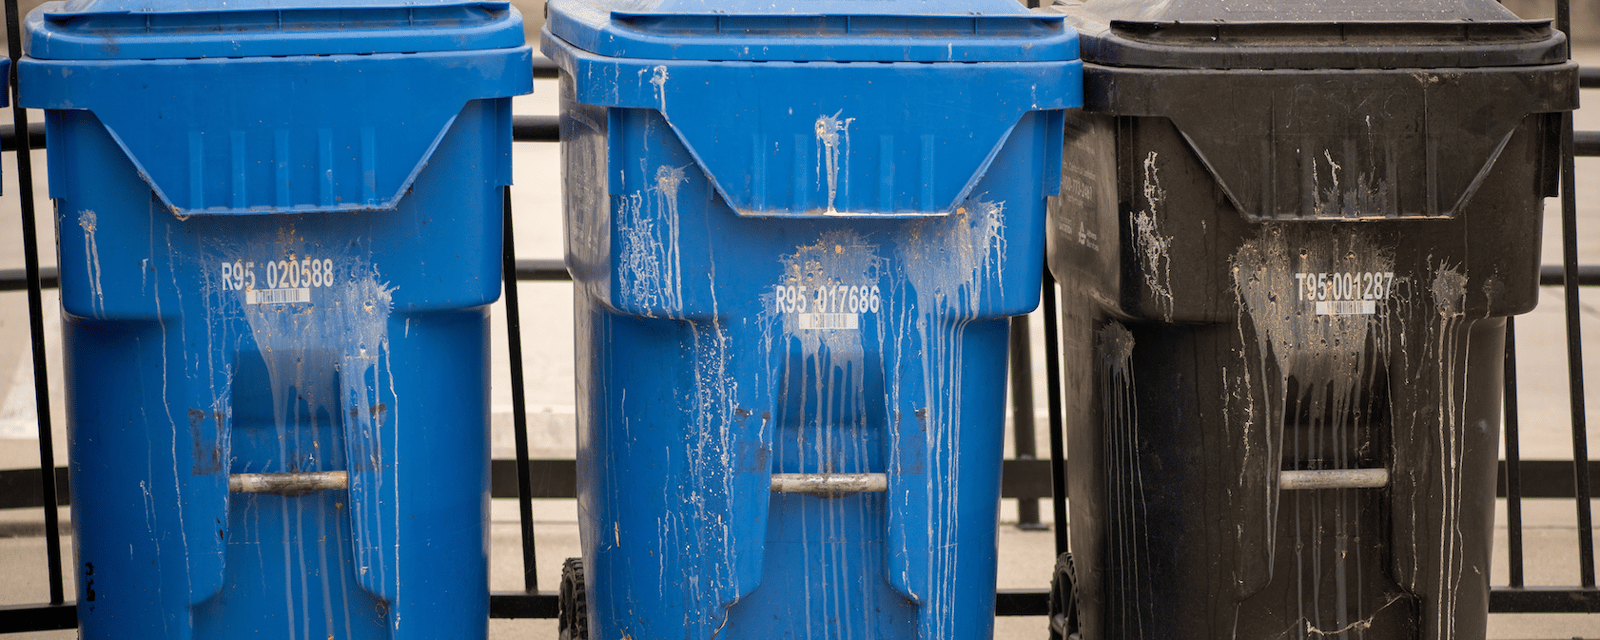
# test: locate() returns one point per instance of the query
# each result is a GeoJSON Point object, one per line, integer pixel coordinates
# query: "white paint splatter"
{"type": "Point", "coordinates": [1153, 247]}
{"type": "Point", "coordinates": [1130, 562]}
{"type": "Point", "coordinates": [651, 277]}
{"type": "Point", "coordinates": [1346, 199]}
{"type": "Point", "coordinates": [350, 318]}
{"type": "Point", "coordinates": [91, 250]}
{"type": "Point", "coordinates": [833, 142]}
{"type": "Point", "coordinates": [950, 266]}
{"type": "Point", "coordinates": [658, 77]}
{"type": "Point", "coordinates": [1317, 372]}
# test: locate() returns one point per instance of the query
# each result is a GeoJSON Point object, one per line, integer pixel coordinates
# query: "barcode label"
{"type": "Point", "coordinates": [277, 296]}
{"type": "Point", "coordinates": [813, 321]}
{"type": "Point", "coordinates": [1347, 308]}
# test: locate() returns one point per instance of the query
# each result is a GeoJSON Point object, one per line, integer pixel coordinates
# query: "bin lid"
{"type": "Point", "coordinates": [1309, 34]}
{"type": "Point", "coordinates": [165, 29]}
{"type": "Point", "coordinates": [830, 30]}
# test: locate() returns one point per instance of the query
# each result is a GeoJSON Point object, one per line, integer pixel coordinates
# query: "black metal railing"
{"type": "Point", "coordinates": [30, 249]}
{"type": "Point", "coordinates": [1025, 478]}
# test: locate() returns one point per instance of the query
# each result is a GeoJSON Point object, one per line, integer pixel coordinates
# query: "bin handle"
{"type": "Point", "coordinates": [830, 484]}
{"type": "Point", "coordinates": [288, 484]}
{"type": "Point", "coordinates": [1333, 479]}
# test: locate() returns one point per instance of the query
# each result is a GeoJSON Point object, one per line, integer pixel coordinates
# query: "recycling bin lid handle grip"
{"type": "Point", "coordinates": [830, 483]}
{"type": "Point", "coordinates": [1333, 479]}
{"type": "Point", "coordinates": [288, 484]}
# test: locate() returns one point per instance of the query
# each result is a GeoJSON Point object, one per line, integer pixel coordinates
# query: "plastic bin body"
{"type": "Point", "coordinates": [1301, 267]}
{"type": "Point", "coordinates": [278, 263]}
{"type": "Point", "coordinates": [790, 267]}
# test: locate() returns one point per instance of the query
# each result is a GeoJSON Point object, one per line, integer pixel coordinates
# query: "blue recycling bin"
{"type": "Point", "coordinates": [279, 227]}
{"type": "Point", "coordinates": [796, 235]}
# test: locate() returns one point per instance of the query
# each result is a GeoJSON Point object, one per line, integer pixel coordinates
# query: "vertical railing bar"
{"type": "Point", "coordinates": [519, 406]}
{"type": "Point", "coordinates": [1513, 459]}
{"type": "Point", "coordinates": [1564, 22]}
{"type": "Point", "coordinates": [1025, 445]}
{"type": "Point", "coordinates": [1058, 449]}
{"type": "Point", "coordinates": [30, 250]}
{"type": "Point", "coordinates": [1569, 263]}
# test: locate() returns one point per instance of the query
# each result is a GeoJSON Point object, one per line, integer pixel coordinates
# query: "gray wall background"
{"type": "Point", "coordinates": [1585, 16]}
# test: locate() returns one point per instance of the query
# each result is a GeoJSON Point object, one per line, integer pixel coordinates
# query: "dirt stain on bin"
{"type": "Point", "coordinates": [207, 452]}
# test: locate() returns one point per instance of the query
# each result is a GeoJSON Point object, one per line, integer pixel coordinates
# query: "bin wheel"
{"type": "Point", "coordinates": [572, 620]}
{"type": "Point", "coordinates": [1064, 600]}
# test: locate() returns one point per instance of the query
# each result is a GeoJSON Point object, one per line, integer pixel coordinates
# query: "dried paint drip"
{"type": "Point", "coordinates": [1295, 325]}
{"type": "Point", "coordinates": [845, 315]}
{"type": "Point", "coordinates": [1359, 628]}
{"type": "Point", "coordinates": [711, 476]}
{"type": "Point", "coordinates": [668, 179]}
{"type": "Point", "coordinates": [651, 277]}
{"type": "Point", "coordinates": [1132, 602]}
{"type": "Point", "coordinates": [658, 78]}
{"type": "Point", "coordinates": [351, 319]}
{"type": "Point", "coordinates": [951, 266]}
{"type": "Point", "coordinates": [1148, 241]}
{"type": "Point", "coordinates": [833, 140]}
{"type": "Point", "coordinates": [703, 525]}
{"type": "Point", "coordinates": [354, 316]}
{"type": "Point", "coordinates": [1334, 328]}
{"type": "Point", "coordinates": [814, 274]}
{"type": "Point", "coordinates": [1364, 197]}
{"type": "Point", "coordinates": [87, 220]}
{"type": "Point", "coordinates": [1449, 289]}
{"type": "Point", "coordinates": [640, 280]}
{"type": "Point", "coordinates": [1317, 313]}
{"type": "Point", "coordinates": [816, 321]}
{"type": "Point", "coordinates": [1327, 200]}
{"type": "Point", "coordinates": [972, 248]}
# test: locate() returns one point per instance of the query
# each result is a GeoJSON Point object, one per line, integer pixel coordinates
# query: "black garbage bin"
{"type": "Point", "coordinates": [1288, 236]}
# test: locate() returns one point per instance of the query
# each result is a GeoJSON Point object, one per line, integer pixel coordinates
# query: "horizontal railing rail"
{"type": "Point", "coordinates": [555, 478]}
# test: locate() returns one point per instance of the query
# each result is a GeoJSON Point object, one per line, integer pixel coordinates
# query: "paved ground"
{"type": "Point", "coordinates": [1025, 556]}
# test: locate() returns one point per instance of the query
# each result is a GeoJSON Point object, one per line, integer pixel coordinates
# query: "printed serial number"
{"type": "Point", "coordinates": [1344, 293]}
{"type": "Point", "coordinates": [834, 299]}
{"type": "Point", "coordinates": [828, 307]}
{"type": "Point", "coordinates": [285, 281]}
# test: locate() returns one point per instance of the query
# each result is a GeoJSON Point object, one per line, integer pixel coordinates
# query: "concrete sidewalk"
{"type": "Point", "coordinates": [1026, 556]}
